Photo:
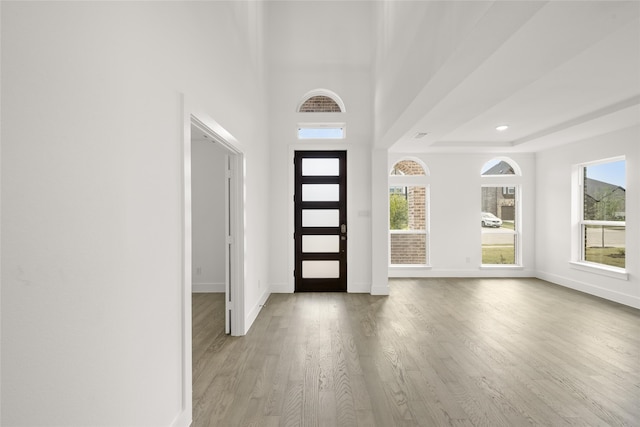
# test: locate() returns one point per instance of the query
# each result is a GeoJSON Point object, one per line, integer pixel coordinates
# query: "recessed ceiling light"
{"type": "Point", "coordinates": [502, 128]}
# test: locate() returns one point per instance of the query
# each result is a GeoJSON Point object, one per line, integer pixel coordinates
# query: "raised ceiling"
{"type": "Point", "coordinates": [571, 70]}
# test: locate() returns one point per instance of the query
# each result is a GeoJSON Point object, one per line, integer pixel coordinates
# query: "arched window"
{"type": "Point", "coordinates": [499, 212]}
{"type": "Point", "coordinates": [408, 214]}
{"type": "Point", "coordinates": [407, 167]}
{"type": "Point", "coordinates": [320, 104]}
{"type": "Point", "coordinates": [500, 166]}
{"type": "Point", "coordinates": [321, 101]}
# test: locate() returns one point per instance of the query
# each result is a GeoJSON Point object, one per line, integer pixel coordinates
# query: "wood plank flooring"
{"type": "Point", "coordinates": [436, 352]}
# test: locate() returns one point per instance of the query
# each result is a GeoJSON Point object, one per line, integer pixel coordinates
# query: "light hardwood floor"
{"type": "Point", "coordinates": [462, 352]}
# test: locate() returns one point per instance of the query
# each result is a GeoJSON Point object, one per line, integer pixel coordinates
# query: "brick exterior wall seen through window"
{"type": "Point", "coordinates": [408, 249]}
{"type": "Point", "coordinates": [417, 214]}
{"type": "Point", "coordinates": [320, 104]}
{"type": "Point", "coordinates": [407, 167]}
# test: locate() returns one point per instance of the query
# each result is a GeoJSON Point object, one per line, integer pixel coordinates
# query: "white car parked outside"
{"type": "Point", "coordinates": [490, 220]}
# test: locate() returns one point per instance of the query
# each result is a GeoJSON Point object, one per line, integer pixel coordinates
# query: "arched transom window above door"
{"type": "Point", "coordinates": [321, 101]}
{"type": "Point", "coordinates": [320, 104]}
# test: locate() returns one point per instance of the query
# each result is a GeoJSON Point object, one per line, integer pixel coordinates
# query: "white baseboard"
{"type": "Point", "coordinates": [590, 289]}
{"type": "Point", "coordinates": [183, 419]}
{"type": "Point", "coordinates": [204, 288]}
{"type": "Point", "coordinates": [483, 272]}
{"type": "Point", "coordinates": [253, 313]}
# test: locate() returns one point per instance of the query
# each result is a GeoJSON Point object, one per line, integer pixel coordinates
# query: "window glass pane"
{"type": "Point", "coordinates": [320, 104]}
{"type": "Point", "coordinates": [498, 225]}
{"type": "Point", "coordinates": [498, 247]}
{"type": "Point", "coordinates": [313, 243]}
{"type": "Point", "coordinates": [497, 167]}
{"type": "Point", "coordinates": [604, 191]}
{"type": "Point", "coordinates": [321, 133]}
{"type": "Point", "coordinates": [320, 218]}
{"type": "Point", "coordinates": [320, 192]}
{"type": "Point", "coordinates": [320, 167]}
{"type": "Point", "coordinates": [605, 245]}
{"type": "Point", "coordinates": [408, 249]}
{"type": "Point", "coordinates": [498, 207]}
{"type": "Point", "coordinates": [407, 208]}
{"type": "Point", "coordinates": [320, 269]}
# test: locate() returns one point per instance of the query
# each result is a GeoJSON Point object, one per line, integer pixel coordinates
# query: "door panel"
{"type": "Point", "coordinates": [320, 221]}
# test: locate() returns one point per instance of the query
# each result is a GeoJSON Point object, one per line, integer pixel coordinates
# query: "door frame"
{"type": "Point", "coordinates": [191, 114]}
{"type": "Point", "coordinates": [234, 212]}
{"type": "Point", "coordinates": [310, 146]}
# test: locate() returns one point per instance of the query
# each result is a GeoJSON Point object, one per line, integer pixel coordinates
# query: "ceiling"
{"type": "Point", "coordinates": [571, 71]}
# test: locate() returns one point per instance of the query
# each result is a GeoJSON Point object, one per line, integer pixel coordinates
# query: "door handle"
{"type": "Point", "coordinates": [343, 228]}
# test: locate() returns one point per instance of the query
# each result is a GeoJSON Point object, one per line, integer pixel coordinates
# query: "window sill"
{"type": "Point", "coordinates": [500, 267]}
{"type": "Point", "coordinates": [616, 273]}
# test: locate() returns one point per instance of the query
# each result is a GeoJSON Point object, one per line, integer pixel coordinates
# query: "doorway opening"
{"type": "Point", "coordinates": [210, 226]}
{"type": "Point", "coordinates": [233, 304]}
{"type": "Point", "coordinates": [216, 256]}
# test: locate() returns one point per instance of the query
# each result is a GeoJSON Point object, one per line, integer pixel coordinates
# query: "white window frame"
{"type": "Point", "coordinates": [578, 258]}
{"type": "Point", "coordinates": [411, 181]}
{"type": "Point", "coordinates": [517, 245]}
{"type": "Point", "coordinates": [424, 232]}
{"type": "Point", "coordinates": [506, 180]}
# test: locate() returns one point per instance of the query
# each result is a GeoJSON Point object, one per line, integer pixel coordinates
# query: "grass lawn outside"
{"type": "Point", "coordinates": [614, 257]}
{"type": "Point", "coordinates": [496, 254]}
{"type": "Point", "coordinates": [509, 225]}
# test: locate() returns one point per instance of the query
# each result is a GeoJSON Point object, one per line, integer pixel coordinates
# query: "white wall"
{"type": "Point", "coordinates": [1, 327]}
{"type": "Point", "coordinates": [380, 222]}
{"type": "Point", "coordinates": [92, 128]}
{"type": "Point", "coordinates": [320, 45]}
{"type": "Point", "coordinates": [455, 238]}
{"type": "Point", "coordinates": [208, 175]}
{"type": "Point", "coordinates": [553, 215]}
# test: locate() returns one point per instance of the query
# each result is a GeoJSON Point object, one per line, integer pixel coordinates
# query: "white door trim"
{"type": "Point", "coordinates": [233, 226]}
{"type": "Point", "coordinates": [192, 114]}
